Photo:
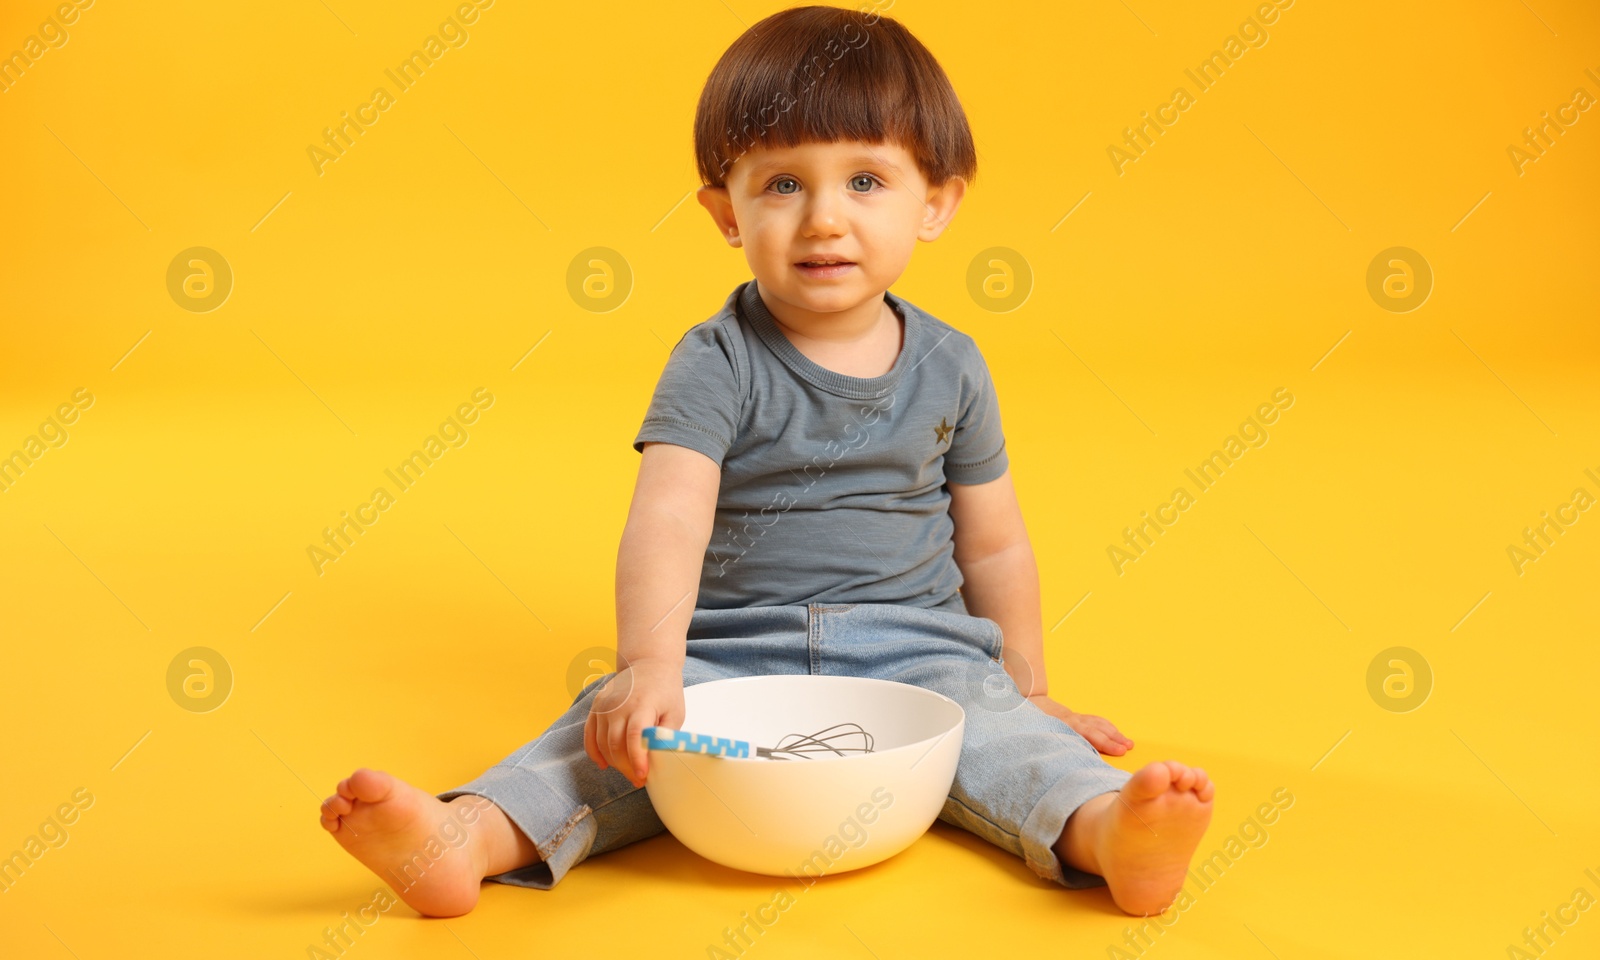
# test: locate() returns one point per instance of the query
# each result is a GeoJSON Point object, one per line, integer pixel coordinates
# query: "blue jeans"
{"type": "Point", "coordinates": [1021, 773]}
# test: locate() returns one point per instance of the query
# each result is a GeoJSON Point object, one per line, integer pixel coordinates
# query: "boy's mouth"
{"type": "Point", "coordinates": [825, 267]}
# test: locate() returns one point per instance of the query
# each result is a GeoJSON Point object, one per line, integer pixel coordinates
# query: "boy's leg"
{"type": "Point", "coordinates": [533, 816]}
{"type": "Point", "coordinates": [565, 807]}
{"type": "Point", "coordinates": [555, 797]}
{"type": "Point", "coordinates": [525, 821]}
{"type": "Point", "coordinates": [1141, 838]}
{"type": "Point", "coordinates": [561, 806]}
{"type": "Point", "coordinates": [1025, 776]}
{"type": "Point", "coordinates": [433, 854]}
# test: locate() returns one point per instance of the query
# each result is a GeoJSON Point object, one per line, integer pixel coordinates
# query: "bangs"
{"type": "Point", "coordinates": [826, 74]}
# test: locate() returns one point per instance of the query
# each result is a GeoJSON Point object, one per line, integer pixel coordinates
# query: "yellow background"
{"type": "Point", "coordinates": [423, 264]}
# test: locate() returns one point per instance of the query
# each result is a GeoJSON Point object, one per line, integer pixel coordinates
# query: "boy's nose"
{"type": "Point", "coordinates": [824, 217]}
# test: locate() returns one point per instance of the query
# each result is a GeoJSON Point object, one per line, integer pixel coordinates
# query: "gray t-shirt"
{"type": "Point", "coordinates": [833, 487]}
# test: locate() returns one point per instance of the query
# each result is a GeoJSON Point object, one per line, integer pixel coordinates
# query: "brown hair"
{"type": "Point", "coordinates": [824, 74]}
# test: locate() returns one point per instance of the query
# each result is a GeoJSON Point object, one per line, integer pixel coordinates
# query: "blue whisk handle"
{"type": "Point", "coordinates": [665, 738]}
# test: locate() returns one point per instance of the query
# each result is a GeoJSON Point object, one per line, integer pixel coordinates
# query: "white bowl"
{"type": "Point", "coordinates": [807, 817]}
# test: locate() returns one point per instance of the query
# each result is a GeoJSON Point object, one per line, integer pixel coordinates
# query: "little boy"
{"type": "Point", "coordinates": [823, 489]}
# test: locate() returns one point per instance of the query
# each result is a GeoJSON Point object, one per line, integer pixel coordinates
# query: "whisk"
{"type": "Point", "coordinates": [838, 740]}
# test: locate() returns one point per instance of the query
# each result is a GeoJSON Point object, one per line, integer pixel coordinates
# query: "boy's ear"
{"type": "Point", "coordinates": [720, 206]}
{"type": "Point", "coordinates": [942, 203]}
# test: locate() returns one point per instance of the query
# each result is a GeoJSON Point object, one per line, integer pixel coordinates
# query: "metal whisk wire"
{"type": "Point", "coordinates": [837, 740]}
{"type": "Point", "coordinates": [850, 738]}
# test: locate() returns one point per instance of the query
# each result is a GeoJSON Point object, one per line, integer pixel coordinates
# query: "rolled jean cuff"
{"type": "Point", "coordinates": [1048, 820]}
{"type": "Point", "coordinates": [526, 800]}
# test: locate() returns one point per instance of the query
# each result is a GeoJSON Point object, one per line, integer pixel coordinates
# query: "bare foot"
{"type": "Point", "coordinates": [412, 840]}
{"type": "Point", "coordinates": [1142, 838]}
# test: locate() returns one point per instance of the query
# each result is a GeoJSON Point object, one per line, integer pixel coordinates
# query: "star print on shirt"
{"type": "Point", "coordinates": [943, 430]}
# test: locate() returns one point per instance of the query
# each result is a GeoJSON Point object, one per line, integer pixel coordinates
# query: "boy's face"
{"type": "Point", "coordinates": [866, 203]}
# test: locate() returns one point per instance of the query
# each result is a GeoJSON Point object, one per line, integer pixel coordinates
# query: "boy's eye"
{"type": "Point", "coordinates": [862, 182]}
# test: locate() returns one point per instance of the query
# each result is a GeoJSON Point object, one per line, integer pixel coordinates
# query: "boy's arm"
{"type": "Point", "coordinates": [1001, 577]}
{"type": "Point", "coordinates": [658, 576]}
{"type": "Point", "coordinates": [662, 551]}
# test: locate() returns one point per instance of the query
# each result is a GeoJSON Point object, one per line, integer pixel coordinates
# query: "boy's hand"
{"type": "Point", "coordinates": [646, 693]}
{"type": "Point", "coordinates": [1100, 732]}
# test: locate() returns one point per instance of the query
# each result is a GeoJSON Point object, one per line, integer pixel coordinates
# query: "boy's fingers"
{"type": "Point", "coordinates": [1107, 744]}
{"type": "Point", "coordinates": [604, 740]}
{"type": "Point", "coordinates": [637, 754]}
{"type": "Point", "coordinates": [618, 749]}
{"type": "Point", "coordinates": [590, 745]}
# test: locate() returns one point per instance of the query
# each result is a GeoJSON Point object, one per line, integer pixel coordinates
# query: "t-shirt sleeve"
{"type": "Point", "coordinates": [699, 396]}
{"type": "Point", "coordinates": [977, 452]}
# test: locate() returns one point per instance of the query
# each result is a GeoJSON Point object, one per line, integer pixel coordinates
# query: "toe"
{"type": "Point", "coordinates": [1150, 781]}
{"type": "Point", "coordinates": [1206, 791]}
{"type": "Point", "coordinates": [336, 806]}
{"type": "Point", "coordinates": [370, 786]}
{"type": "Point", "coordinates": [1184, 781]}
{"type": "Point", "coordinates": [343, 789]}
